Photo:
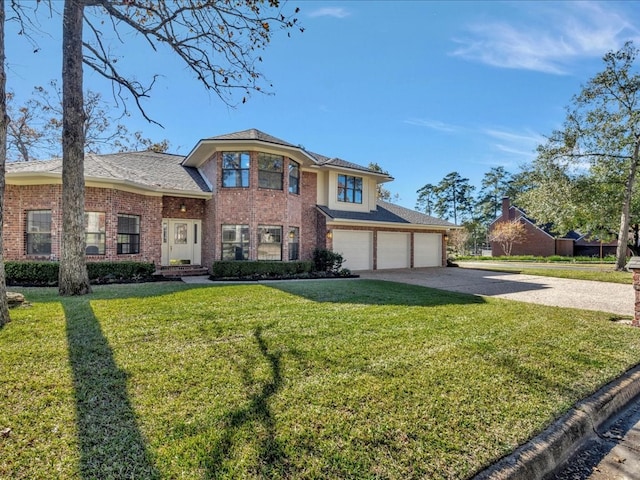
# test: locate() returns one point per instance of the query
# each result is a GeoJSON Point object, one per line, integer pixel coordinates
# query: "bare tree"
{"type": "Point", "coordinates": [507, 234]}
{"type": "Point", "coordinates": [458, 239]}
{"type": "Point", "coordinates": [4, 120]}
{"type": "Point", "coordinates": [35, 130]}
{"type": "Point", "coordinates": [218, 40]}
{"type": "Point", "coordinates": [23, 133]}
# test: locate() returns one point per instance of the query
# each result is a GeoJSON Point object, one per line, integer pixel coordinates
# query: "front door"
{"type": "Point", "coordinates": [181, 242]}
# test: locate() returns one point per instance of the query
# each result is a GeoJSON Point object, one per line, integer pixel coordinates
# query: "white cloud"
{"type": "Point", "coordinates": [335, 12]}
{"type": "Point", "coordinates": [551, 38]}
{"type": "Point", "coordinates": [522, 144]}
{"type": "Point", "coordinates": [433, 125]}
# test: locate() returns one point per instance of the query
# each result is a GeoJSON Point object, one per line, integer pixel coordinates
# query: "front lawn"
{"type": "Point", "coordinates": [314, 379]}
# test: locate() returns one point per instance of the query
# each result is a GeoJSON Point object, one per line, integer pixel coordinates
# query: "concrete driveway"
{"type": "Point", "coordinates": [605, 297]}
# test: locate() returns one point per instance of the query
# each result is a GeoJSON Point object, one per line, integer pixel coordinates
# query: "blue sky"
{"type": "Point", "coordinates": [422, 88]}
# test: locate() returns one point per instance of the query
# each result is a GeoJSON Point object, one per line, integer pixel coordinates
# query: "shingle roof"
{"type": "Point", "coordinates": [413, 216]}
{"type": "Point", "coordinates": [548, 228]}
{"type": "Point", "coordinates": [338, 162]}
{"type": "Point", "coordinates": [386, 212]}
{"type": "Point", "coordinates": [253, 134]}
{"type": "Point", "coordinates": [148, 169]}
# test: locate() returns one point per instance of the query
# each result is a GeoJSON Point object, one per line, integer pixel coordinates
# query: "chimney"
{"type": "Point", "coordinates": [506, 206]}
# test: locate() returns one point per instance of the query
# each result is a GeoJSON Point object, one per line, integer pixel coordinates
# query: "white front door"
{"type": "Point", "coordinates": [181, 240]}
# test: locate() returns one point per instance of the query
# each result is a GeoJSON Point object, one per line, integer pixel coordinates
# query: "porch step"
{"type": "Point", "coordinates": [176, 271]}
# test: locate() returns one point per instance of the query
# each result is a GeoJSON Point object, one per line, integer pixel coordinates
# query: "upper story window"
{"type": "Point", "coordinates": [95, 233]}
{"type": "Point", "coordinates": [270, 170]}
{"type": "Point", "coordinates": [235, 169]}
{"type": "Point", "coordinates": [349, 189]}
{"type": "Point", "coordinates": [39, 232]}
{"type": "Point", "coordinates": [294, 177]}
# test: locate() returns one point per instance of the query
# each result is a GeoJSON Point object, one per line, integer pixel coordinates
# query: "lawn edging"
{"type": "Point", "coordinates": [547, 451]}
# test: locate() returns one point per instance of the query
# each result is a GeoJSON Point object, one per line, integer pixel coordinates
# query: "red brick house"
{"type": "Point", "coordinates": [240, 196]}
{"type": "Point", "coordinates": [541, 241]}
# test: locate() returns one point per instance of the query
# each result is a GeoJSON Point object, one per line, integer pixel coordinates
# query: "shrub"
{"type": "Point", "coordinates": [259, 269]}
{"type": "Point", "coordinates": [110, 272]}
{"type": "Point", "coordinates": [31, 273]}
{"type": "Point", "coordinates": [327, 261]}
{"type": "Point", "coordinates": [46, 273]}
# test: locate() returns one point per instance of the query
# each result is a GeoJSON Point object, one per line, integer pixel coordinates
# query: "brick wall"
{"type": "Point", "coordinates": [254, 206]}
{"type": "Point", "coordinates": [17, 201]}
{"type": "Point", "coordinates": [21, 198]}
{"type": "Point", "coordinates": [536, 242]}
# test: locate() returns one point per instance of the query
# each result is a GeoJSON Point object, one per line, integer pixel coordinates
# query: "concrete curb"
{"type": "Point", "coordinates": [545, 452]}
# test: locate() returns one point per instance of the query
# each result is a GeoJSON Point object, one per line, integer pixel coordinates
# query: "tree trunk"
{"type": "Point", "coordinates": [4, 120]}
{"type": "Point", "coordinates": [73, 278]}
{"type": "Point", "coordinates": [623, 235]}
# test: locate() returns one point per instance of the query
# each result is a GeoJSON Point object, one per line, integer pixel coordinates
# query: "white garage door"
{"type": "Point", "coordinates": [427, 250]}
{"type": "Point", "coordinates": [356, 248]}
{"type": "Point", "coordinates": [394, 250]}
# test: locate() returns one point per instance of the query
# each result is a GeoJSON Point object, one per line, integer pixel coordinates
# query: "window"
{"type": "Point", "coordinates": [349, 189]}
{"type": "Point", "coordinates": [235, 169]}
{"type": "Point", "coordinates": [294, 243]}
{"type": "Point", "coordinates": [235, 242]}
{"type": "Point", "coordinates": [270, 169]}
{"type": "Point", "coordinates": [39, 232]}
{"type": "Point", "coordinates": [95, 237]}
{"type": "Point", "coordinates": [269, 242]}
{"type": "Point", "coordinates": [128, 234]}
{"type": "Point", "coordinates": [294, 177]}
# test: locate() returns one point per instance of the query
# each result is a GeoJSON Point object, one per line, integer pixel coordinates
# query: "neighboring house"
{"type": "Point", "coordinates": [538, 241]}
{"type": "Point", "coordinates": [241, 196]}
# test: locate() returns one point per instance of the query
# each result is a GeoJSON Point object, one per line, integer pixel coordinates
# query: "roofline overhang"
{"type": "Point", "coordinates": [383, 177]}
{"type": "Point", "coordinates": [207, 147]}
{"type": "Point", "coordinates": [338, 222]}
{"type": "Point", "coordinates": [56, 179]}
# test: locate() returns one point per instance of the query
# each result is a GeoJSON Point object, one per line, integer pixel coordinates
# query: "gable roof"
{"type": "Point", "coordinates": [252, 134]}
{"type": "Point", "coordinates": [153, 171]}
{"type": "Point", "coordinates": [176, 174]}
{"type": "Point", "coordinates": [386, 213]}
{"type": "Point", "coordinates": [547, 228]}
{"type": "Point", "coordinates": [207, 146]}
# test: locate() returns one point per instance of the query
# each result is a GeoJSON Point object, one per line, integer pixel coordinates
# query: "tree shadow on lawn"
{"type": "Point", "coordinates": [462, 280]}
{"type": "Point", "coordinates": [111, 444]}
{"type": "Point", "coordinates": [375, 292]}
{"type": "Point", "coordinates": [257, 415]}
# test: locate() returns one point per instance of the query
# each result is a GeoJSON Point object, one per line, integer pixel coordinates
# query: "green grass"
{"type": "Point", "coordinates": [610, 259]}
{"type": "Point", "coordinates": [314, 379]}
{"type": "Point", "coordinates": [600, 273]}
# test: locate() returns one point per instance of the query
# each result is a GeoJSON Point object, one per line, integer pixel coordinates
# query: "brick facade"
{"type": "Point", "coordinates": [255, 207]}
{"type": "Point", "coordinates": [537, 242]}
{"type": "Point", "coordinates": [173, 190]}
{"type": "Point", "coordinates": [19, 199]}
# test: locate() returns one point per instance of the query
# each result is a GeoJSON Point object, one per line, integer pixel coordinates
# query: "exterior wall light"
{"type": "Point", "coordinates": [183, 208]}
{"type": "Point", "coordinates": [329, 234]}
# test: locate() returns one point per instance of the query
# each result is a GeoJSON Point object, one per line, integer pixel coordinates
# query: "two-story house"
{"type": "Point", "coordinates": [241, 196]}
